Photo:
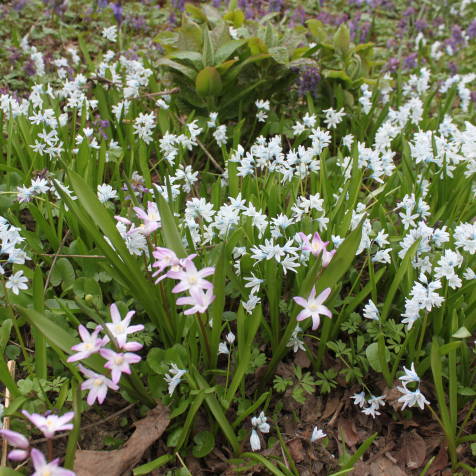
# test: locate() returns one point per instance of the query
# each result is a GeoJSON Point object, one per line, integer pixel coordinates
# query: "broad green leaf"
{"type": "Point", "coordinates": [372, 354]}
{"type": "Point", "coordinates": [185, 70]}
{"type": "Point", "coordinates": [204, 443]}
{"type": "Point", "coordinates": [227, 49]}
{"type": "Point", "coordinates": [279, 54]}
{"type": "Point", "coordinates": [62, 273]}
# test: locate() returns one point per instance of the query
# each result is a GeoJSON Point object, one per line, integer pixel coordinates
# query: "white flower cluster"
{"type": "Point", "coordinates": [260, 424]}
{"type": "Point", "coordinates": [174, 377]}
{"type": "Point", "coordinates": [411, 398]}
{"type": "Point", "coordinates": [370, 406]}
{"type": "Point", "coordinates": [10, 239]}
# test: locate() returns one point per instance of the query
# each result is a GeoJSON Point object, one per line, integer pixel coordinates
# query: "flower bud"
{"type": "Point", "coordinates": [15, 439]}
{"type": "Point", "coordinates": [342, 39]}
{"type": "Point", "coordinates": [255, 441]}
{"type": "Point", "coordinates": [18, 455]}
{"type": "Point", "coordinates": [208, 82]}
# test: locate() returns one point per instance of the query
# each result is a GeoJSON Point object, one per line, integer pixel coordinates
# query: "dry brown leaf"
{"type": "Point", "coordinates": [347, 428]}
{"type": "Point", "coordinates": [413, 450]}
{"type": "Point", "coordinates": [331, 406]}
{"type": "Point", "coordinates": [360, 469]}
{"type": "Point", "coordinates": [296, 449]}
{"type": "Point", "coordinates": [116, 462]}
{"type": "Point", "coordinates": [301, 359]}
{"type": "Point", "coordinates": [311, 412]}
{"type": "Point", "coordinates": [383, 466]}
{"type": "Point", "coordinates": [440, 462]}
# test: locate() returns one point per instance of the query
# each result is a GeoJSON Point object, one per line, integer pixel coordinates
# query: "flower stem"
{"type": "Point", "coordinates": [205, 337]}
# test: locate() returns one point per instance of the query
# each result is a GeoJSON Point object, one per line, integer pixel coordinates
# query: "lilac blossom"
{"type": "Point", "coordinates": [199, 300]}
{"type": "Point", "coordinates": [43, 468]}
{"type": "Point", "coordinates": [121, 328]}
{"type": "Point", "coordinates": [97, 385]}
{"type": "Point", "coordinates": [191, 278]}
{"type": "Point", "coordinates": [50, 424]}
{"type": "Point", "coordinates": [165, 259]}
{"type": "Point", "coordinates": [119, 363]}
{"type": "Point", "coordinates": [313, 307]}
{"type": "Point", "coordinates": [151, 218]}
{"type": "Point", "coordinates": [90, 344]}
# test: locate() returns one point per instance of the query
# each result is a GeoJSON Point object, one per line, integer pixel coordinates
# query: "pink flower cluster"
{"type": "Point", "coordinates": [316, 246]}
{"type": "Point", "coordinates": [190, 279]}
{"type": "Point", "coordinates": [48, 424]}
{"type": "Point", "coordinates": [150, 219]}
{"type": "Point", "coordinates": [117, 361]}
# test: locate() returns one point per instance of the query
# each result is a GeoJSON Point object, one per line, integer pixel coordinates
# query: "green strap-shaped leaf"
{"type": "Point", "coordinates": [169, 229]}
{"type": "Point", "coordinates": [57, 336]}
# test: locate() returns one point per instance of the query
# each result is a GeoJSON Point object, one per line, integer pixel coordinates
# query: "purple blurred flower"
{"type": "Point", "coordinates": [410, 62]}
{"type": "Point", "coordinates": [117, 11]}
{"type": "Point", "coordinates": [298, 17]}
{"type": "Point", "coordinates": [364, 31]}
{"type": "Point", "coordinates": [19, 5]}
{"type": "Point", "coordinates": [138, 22]}
{"type": "Point", "coordinates": [393, 64]}
{"type": "Point", "coordinates": [471, 31]}
{"type": "Point", "coordinates": [308, 81]}
{"type": "Point", "coordinates": [457, 34]}
{"type": "Point", "coordinates": [178, 4]}
{"type": "Point", "coordinates": [275, 5]}
{"type": "Point", "coordinates": [452, 67]}
{"type": "Point", "coordinates": [420, 25]}
{"type": "Point", "coordinates": [29, 68]}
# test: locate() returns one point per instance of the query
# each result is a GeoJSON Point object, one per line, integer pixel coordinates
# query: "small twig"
{"type": "Point", "coordinates": [336, 413]}
{"type": "Point", "coordinates": [63, 241]}
{"type": "Point", "coordinates": [71, 256]}
{"type": "Point", "coordinates": [210, 156]}
{"type": "Point", "coordinates": [381, 452]}
{"type": "Point", "coordinates": [167, 92]}
{"type": "Point", "coordinates": [6, 420]}
{"type": "Point", "coordinates": [91, 425]}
